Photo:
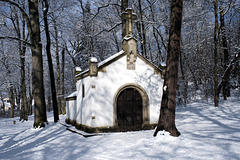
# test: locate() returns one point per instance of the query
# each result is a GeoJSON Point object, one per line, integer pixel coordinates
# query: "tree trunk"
{"type": "Point", "coordinates": [226, 86]}
{"type": "Point", "coordinates": [141, 31]}
{"type": "Point", "coordinates": [22, 50]}
{"type": "Point", "coordinates": [227, 72]}
{"type": "Point", "coordinates": [154, 31]}
{"type": "Point", "coordinates": [12, 102]}
{"type": "Point", "coordinates": [50, 65]}
{"type": "Point", "coordinates": [3, 105]}
{"type": "Point", "coordinates": [58, 68]}
{"type": "Point", "coordinates": [124, 5]}
{"type": "Point", "coordinates": [24, 114]}
{"type": "Point", "coordinates": [63, 87]}
{"type": "Point", "coordinates": [215, 56]}
{"type": "Point", "coordinates": [184, 81]}
{"type": "Point", "coordinates": [40, 115]}
{"type": "Point", "coordinates": [23, 79]}
{"type": "Point", "coordinates": [168, 105]}
{"type": "Point", "coordinates": [30, 108]}
{"type": "Point", "coordinates": [58, 73]}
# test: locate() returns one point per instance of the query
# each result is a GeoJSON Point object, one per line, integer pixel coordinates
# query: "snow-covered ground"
{"type": "Point", "coordinates": [207, 133]}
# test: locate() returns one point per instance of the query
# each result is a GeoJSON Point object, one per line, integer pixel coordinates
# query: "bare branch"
{"type": "Point", "coordinates": [23, 12]}
{"type": "Point", "coordinates": [107, 30]}
{"type": "Point", "coordinates": [228, 69]}
{"type": "Point", "coordinates": [15, 38]}
{"type": "Point", "coordinates": [226, 8]}
{"type": "Point", "coordinates": [101, 7]}
{"type": "Point", "coordinates": [160, 37]}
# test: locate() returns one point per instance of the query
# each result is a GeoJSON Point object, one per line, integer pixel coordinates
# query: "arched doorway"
{"type": "Point", "coordinates": [131, 108]}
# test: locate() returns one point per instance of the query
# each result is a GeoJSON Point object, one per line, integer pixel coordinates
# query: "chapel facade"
{"type": "Point", "coordinates": [121, 93]}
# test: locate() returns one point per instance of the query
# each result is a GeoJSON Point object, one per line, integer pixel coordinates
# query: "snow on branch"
{"type": "Point", "coordinates": [228, 69]}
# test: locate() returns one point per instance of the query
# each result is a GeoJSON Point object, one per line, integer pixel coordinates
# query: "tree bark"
{"type": "Point", "coordinates": [23, 76]}
{"type": "Point", "coordinates": [215, 55]}
{"type": "Point", "coordinates": [12, 101]}
{"type": "Point", "coordinates": [22, 51]}
{"type": "Point", "coordinates": [58, 72]}
{"type": "Point", "coordinates": [59, 105]}
{"type": "Point", "coordinates": [168, 104]}
{"type": "Point", "coordinates": [63, 86]}
{"type": "Point", "coordinates": [226, 87]}
{"type": "Point", "coordinates": [50, 65]}
{"type": "Point", "coordinates": [185, 83]}
{"type": "Point", "coordinates": [40, 116]}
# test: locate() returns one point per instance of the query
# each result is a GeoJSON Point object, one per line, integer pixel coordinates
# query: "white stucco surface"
{"type": "Point", "coordinates": [71, 106]}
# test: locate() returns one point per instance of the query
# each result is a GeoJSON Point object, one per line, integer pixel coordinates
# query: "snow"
{"type": "Point", "coordinates": [110, 58]}
{"type": "Point", "coordinates": [78, 69]}
{"type": "Point", "coordinates": [207, 132]}
{"type": "Point", "coordinates": [165, 88]}
{"type": "Point", "coordinates": [93, 59]}
{"type": "Point", "coordinates": [103, 62]}
{"type": "Point", "coordinates": [73, 94]}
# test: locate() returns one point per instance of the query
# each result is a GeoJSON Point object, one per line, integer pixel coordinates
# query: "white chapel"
{"type": "Point", "coordinates": [121, 93]}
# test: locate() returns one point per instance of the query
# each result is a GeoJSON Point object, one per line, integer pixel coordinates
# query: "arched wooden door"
{"type": "Point", "coordinates": [129, 110]}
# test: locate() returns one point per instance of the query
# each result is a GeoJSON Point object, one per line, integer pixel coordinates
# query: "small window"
{"type": "Point", "coordinates": [83, 91]}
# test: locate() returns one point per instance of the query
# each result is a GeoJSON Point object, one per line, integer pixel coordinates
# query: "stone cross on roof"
{"type": "Point", "coordinates": [129, 16]}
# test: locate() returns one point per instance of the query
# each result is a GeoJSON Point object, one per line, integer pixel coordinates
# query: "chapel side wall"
{"type": "Point", "coordinates": [72, 108]}
{"type": "Point", "coordinates": [67, 110]}
{"type": "Point", "coordinates": [98, 106]}
{"type": "Point", "coordinates": [84, 102]}
{"type": "Point", "coordinates": [88, 106]}
{"type": "Point", "coordinates": [80, 102]}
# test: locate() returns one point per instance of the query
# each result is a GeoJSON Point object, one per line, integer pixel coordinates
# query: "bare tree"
{"type": "Point", "coordinates": [62, 83]}
{"type": "Point", "coordinates": [168, 105]}
{"type": "Point", "coordinates": [216, 97]}
{"type": "Point", "coordinates": [226, 85]}
{"type": "Point", "coordinates": [20, 32]}
{"type": "Point", "coordinates": [33, 26]}
{"type": "Point", "coordinates": [50, 65]}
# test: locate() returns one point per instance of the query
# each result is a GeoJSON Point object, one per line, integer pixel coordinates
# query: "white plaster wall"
{"type": "Point", "coordinates": [67, 110]}
{"type": "Point", "coordinates": [71, 109]}
{"type": "Point", "coordinates": [98, 101]}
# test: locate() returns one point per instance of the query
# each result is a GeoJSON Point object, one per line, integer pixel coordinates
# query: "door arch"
{"type": "Point", "coordinates": [131, 108]}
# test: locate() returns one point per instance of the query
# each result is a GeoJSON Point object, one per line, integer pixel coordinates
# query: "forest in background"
{"type": "Point", "coordinates": [79, 29]}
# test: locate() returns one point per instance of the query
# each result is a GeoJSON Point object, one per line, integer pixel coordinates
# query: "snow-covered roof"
{"type": "Point", "coordinates": [103, 62]}
{"type": "Point", "coordinates": [73, 94]}
{"type": "Point", "coordinates": [109, 59]}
